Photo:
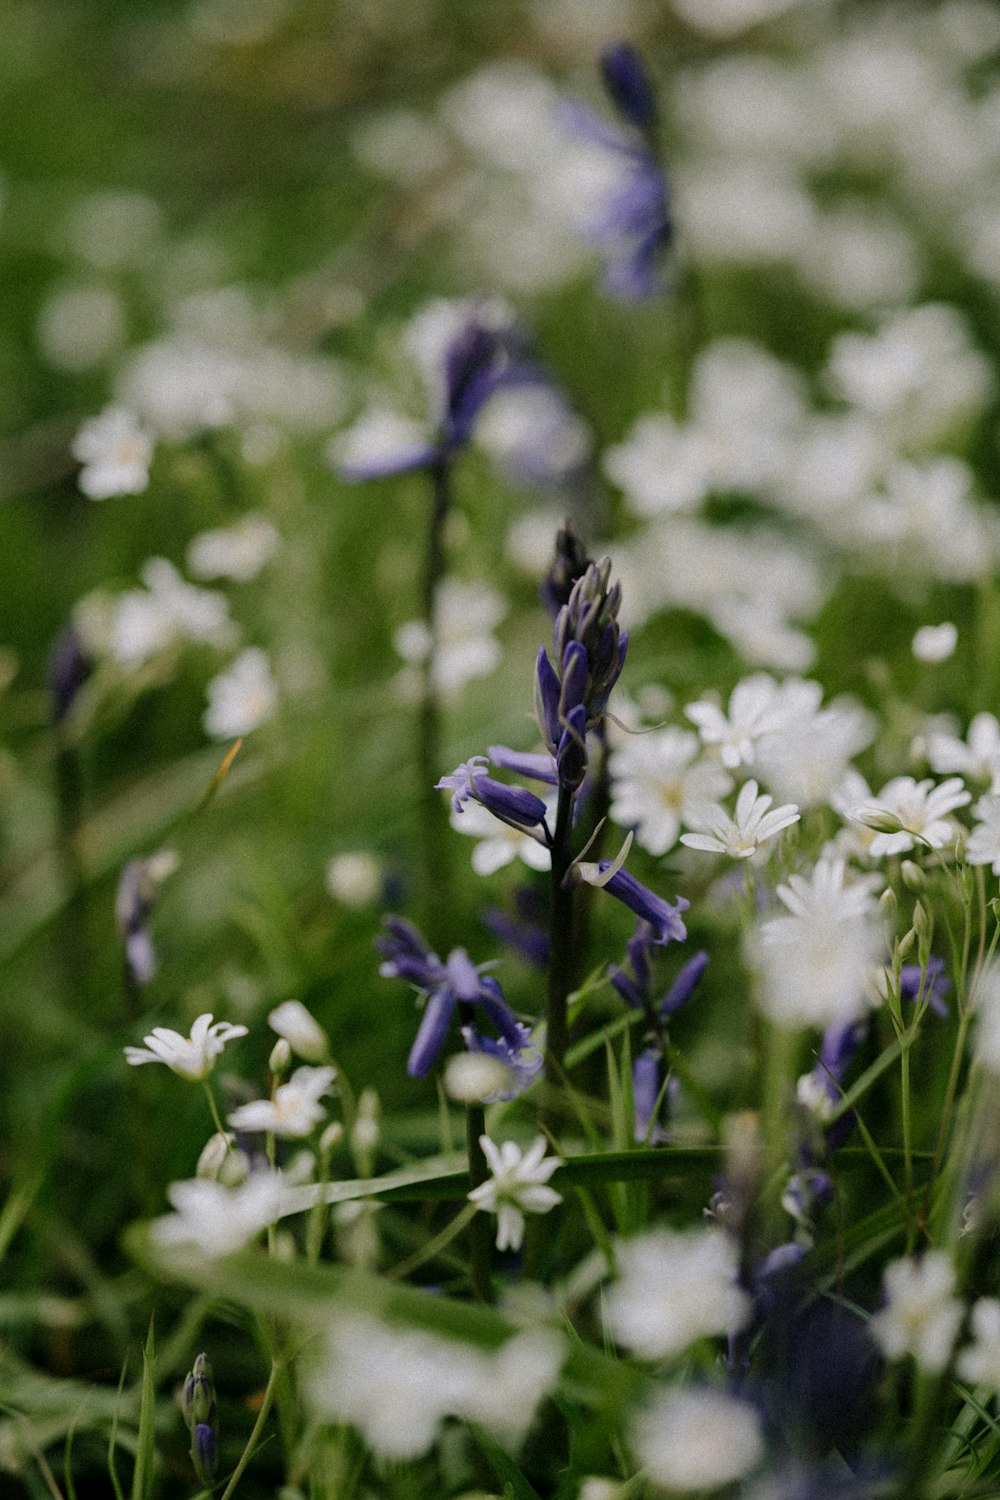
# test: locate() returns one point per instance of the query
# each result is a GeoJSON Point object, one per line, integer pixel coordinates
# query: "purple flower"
{"type": "Point", "coordinates": [664, 919]}
{"type": "Point", "coordinates": [635, 988]}
{"type": "Point", "coordinates": [68, 671]}
{"type": "Point", "coordinates": [512, 804]}
{"type": "Point", "coordinates": [629, 86]}
{"type": "Point", "coordinates": [633, 228]}
{"type": "Point", "coordinates": [456, 981]}
{"type": "Point", "coordinates": [647, 1087]}
{"type": "Point", "coordinates": [484, 356]}
{"type": "Point", "coordinates": [929, 986]}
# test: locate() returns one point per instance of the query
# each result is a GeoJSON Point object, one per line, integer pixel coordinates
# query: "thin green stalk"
{"type": "Point", "coordinates": [481, 1243]}
{"type": "Point", "coordinates": [561, 948]}
{"type": "Point", "coordinates": [258, 1427]}
{"type": "Point", "coordinates": [434, 826]}
{"type": "Point", "coordinates": [216, 1117]}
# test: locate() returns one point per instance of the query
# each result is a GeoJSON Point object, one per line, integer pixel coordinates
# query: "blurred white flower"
{"type": "Point", "coordinates": [674, 1289]}
{"type": "Point", "coordinates": [213, 1220]}
{"type": "Point", "coordinates": [80, 326]}
{"type": "Point", "coordinates": [921, 1316]}
{"type": "Point", "coordinates": [516, 1186]}
{"type": "Point", "coordinates": [499, 843]}
{"type": "Point", "coordinates": [191, 1057]}
{"type": "Point", "coordinates": [987, 1002]}
{"type": "Point", "coordinates": [934, 643]}
{"type": "Point", "coordinates": [238, 552]}
{"type": "Point", "coordinates": [396, 1385]}
{"type": "Point", "coordinates": [739, 836]}
{"type": "Point", "coordinates": [300, 1030]}
{"type": "Point", "coordinates": [979, 1363]}
{"type": "Point", "coordinates": [294, 1111]}
{"type": "Point", "coordinates": [976, 757]}
{"type": "Point", "coordinates": [354, 879]}
{"type": "Point", "coordinates": [698, 1440]}
{"type": "Point", "coordinates": [755, 709]}
{"type": "Point", "coordinates": [115, 452]}
{"type": "Point", "coordinates": [146, 621]}
{"type": "Point", "coordinates": [465, 616]}
{"type": "Point", "coordinates": [242, 697]}
{"type": "Point", "coordinates": [726, 18]}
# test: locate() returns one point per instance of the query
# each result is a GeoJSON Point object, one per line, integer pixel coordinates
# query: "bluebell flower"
{"type": "Point", "coordinates": [930, 987]}
{"type": "Point", "coordinates": [569, 562]}
{"type": "Point", "coordinates": [664, 920]}
{"type": "Point", "coordinates": [485, 354]}
{"type": "Point", "coordinates": [447, 984]}
{"type": "Point", "coordinates": [635, 988]}
{"type": "Point", "coordinates": [68, 671]}
{"type": "Point", "coordinates": [633, 229]}
{"type": "Point", "coordinates": [512, 804]}
{"type": "Point", "coordinates": [524, 931]}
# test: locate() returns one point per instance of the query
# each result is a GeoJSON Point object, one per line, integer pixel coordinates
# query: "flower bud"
{"type": "Point", "coordinates": [198, 1399]}
{"type": "Point", "coordinates": [913, 876]}
{"type": "Point", "coordinates": [331, 1138]}
{"type": "Point", "coordinates": [281, 1057]}
{"type": "Point", "coordinates": [213, 1155]}
{"type": "Point", "coordinates": [204, 1452]}
{"type": "Point", "coordinates": [304, 1035]}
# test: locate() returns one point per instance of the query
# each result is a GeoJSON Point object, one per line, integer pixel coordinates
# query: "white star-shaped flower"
{"type": "Point", "coordinates": [191, 1057]}
{"type": "Point", "coordinates": [742, 835]}
{"type": "Point", "coordinates": [921, 1316]}
{"type": "Point", "coordinates": [983, 847]}
{"type": "Point", "coordinates": [295, 1110]}
{"type": "Point", "coordinates": [214, 1220]}
{"type": "Point", "coordinates": [517, 1186]}
{"type": "Point", "coordinates": [907, 812]}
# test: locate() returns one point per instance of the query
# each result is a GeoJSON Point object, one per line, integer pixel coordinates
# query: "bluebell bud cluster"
{"type": "Point", "coordinates": [572, 695]}
{"type": "Point", "coordinates": [200, 1411]}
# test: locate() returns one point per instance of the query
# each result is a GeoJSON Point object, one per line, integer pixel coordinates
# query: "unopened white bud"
{"type": "Point", "coordinates": [354, 880]}
{"type": "Point", "coordinates": [301, 1031]}
{"type": "Point", "coordinates": [471, 1077]}
{"type": "Point", "coordinates": [913, 876]}
{"type": "Point", "coordinates": [879, 818]}
{"type": "Point", "coordinates": [281, 1057]}
{"type": "Point", "coordinates": [331, 1138]}
{"type": "Point", "coordinates": [213, 1155]}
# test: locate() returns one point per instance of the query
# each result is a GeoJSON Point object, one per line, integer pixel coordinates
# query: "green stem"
{"type": "Point", "coordinates": [258, 1427]}
{"type": "Point", "coordinates": [434, 825]}
{"type": "Point", "coordinates": [479, 1227]}
{"type": "Point", "coordinates": [217, 1119]}
{"type": "Point", "coordinates": [561, 949]}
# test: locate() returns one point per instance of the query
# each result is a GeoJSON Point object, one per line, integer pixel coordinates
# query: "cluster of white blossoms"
{"type": "Point", "coordinates": [242, 697]}
{"type": "Point", "coordinates": [923, 1315]}
{"type": "Point", "coordinates": [674, 1289]}
{"type": "Point", "coordinates": [463, 644]}
{"type": "Point", "coordinates": [396, 1385]}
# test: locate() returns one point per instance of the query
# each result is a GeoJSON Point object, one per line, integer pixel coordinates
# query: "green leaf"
{"type": "Point", "coordinates": [504, 1467]}
{"type": "Point", "coordinates": [142, 1475]}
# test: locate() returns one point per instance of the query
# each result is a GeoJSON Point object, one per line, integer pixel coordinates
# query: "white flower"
{"type": "Point", "coordinates": [806, 758]}
{"type": "Point", "coordinates": [983, 845]}
{"type": "Point", "coordinates": [921, 1316]}
{"type": "Point", "coordinates": [674, 1289]}
{"type": "Point", "coordinates": [191, 1057]}
{"type": "Point", "coordinates": [214, 1220]}
{"type": "Point", "coordinates": [499, 843]}
{"type": "Point", "coordinates": [754, 710]}
{"type": "Point", "coordinates": [115, 453]}
{"type": "Point", "coordinates": [238, 552]}
{"type": "Point", "coordinates": [354, 879]}
{"type": "Point", "coordinates": [149, 620]}
{"type": "Point", "coordinates": [517, 1185]}
{"type": "Point", "coordinates": [698, 1440]}
{"type": "Point", "coordinates": [242, 697]}
{"type": "Point", "coordinates": [396, 1385]}
{"type": "Point", "coordinates": [816, 966]}
{"type": "Point", "coordinates": [828, 893]}
{"type": "Point", "coordinates": [740, 836]}
{"type": "Point", "coordinates": [294, 1111]}
{"type": "Point", "coordinates": [301, 1031]}
{"type": "Point", "coordinates": [977, 756]}
{"type": "Point", "coordinates": [980, 1363]}
{"type": "Point", "coordinates": [987, 1002]}
{"type": "Point", "coordinates": [656, 780]}
{"type": "Point", "coordinates": [907, 811]}
{"type": "Point", "coordinates": [933, 643]}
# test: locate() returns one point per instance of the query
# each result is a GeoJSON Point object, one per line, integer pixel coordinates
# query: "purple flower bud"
{"type": "Point", "coordinates": [647, 1083]}
{"type": "Point", "coordinates": [684, 985]}
{"type": "Point", "coordinates": [514, 804]}
{"type": "Point", "coordinates": [538, 766]}
{"type": "Point", "coordinates": [628, 84]}
{"type": "Point", "coordinates": [571, 758]}
{"type": "Point", "coordinates": [68, 671]}
{"type": "Point", "coordinates": [569, 563]}
{"type": "Point", "coordinates": [547, 692]}
{"type": "Point", "coordinates": [204, 1452]}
